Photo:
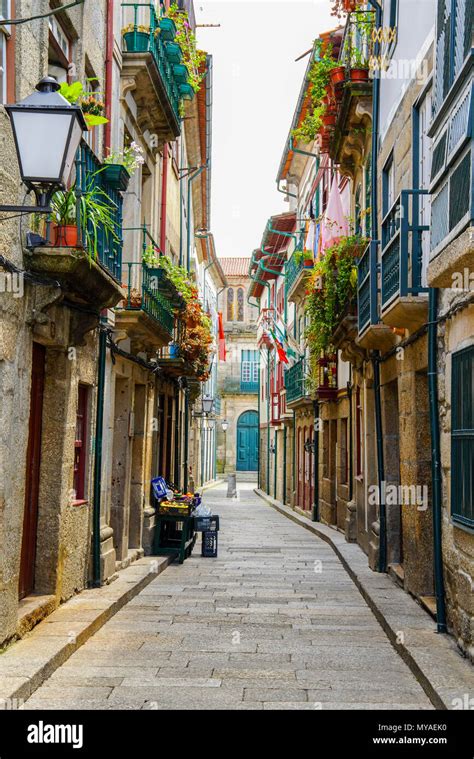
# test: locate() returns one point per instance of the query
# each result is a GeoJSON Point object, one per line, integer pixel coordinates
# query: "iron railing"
{"type": "Point", "coordinates": [145, 16]}
{"type": "Point", "coordinates": [367, 285]}
{"type": "Point", "coordinates": [295, 381]}
{"type": "Point", "coordinates": [358, 41]}
{"type": "Point", "coordinates": [294, 268]}
{"type": "Point", "coordinates": [89, 177]}
{"type": "Point", "coordinates": [401, 261]}
{"type": "Point", "coordinates": [146, 291]}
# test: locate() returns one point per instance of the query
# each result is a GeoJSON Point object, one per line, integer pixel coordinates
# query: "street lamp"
{"type": "Point", "coordinates": [47, 132]}
{"type": "Point", "coordinates": [225, 425]}
{"type": "Point", "coordinates": [207, 404]}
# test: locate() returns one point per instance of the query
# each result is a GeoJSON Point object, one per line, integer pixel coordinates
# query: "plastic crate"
{"type": "Point", "coordinates": [206, 524]}
{"type": "Point", "coordinates": [159, 487]}
{"type": "Point", "coordinates": [209, 544]}
{"type": "Point", "coordinates": [173, 510]}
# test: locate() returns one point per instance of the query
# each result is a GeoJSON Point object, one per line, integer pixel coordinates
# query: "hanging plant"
{"type": "Point", "coordinates": [319, 79]}
{"type": "Point", "coordinates": [193, 58]}
{"type": "Point", "coordinates": [91, 104]}
{"type": "Point", "coordinates": [332, 285]}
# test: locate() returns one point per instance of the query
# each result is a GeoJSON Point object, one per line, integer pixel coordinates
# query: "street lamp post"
{"type": "Point", "coordinates": [225, 427]}
{"type": "Point", "coordinates": [47, 131]}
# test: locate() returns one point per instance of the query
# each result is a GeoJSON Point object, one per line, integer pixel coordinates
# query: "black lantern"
{"type": "Point", "coordinates": [47, 131]}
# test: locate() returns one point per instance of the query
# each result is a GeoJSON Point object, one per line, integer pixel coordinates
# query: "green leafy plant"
{"type": "Point", "coordinates": [131, 157]}
{"type": "Point", "coordinates": [96, 214]}
{"type": "Point", "coordinates": [332, 286]}
{"type": "Point", "coordinates": [193, 58]}
{"type": "Point", "coordinates": [91, 104]}
{"type": "Point", "coordinates": [318, 78]}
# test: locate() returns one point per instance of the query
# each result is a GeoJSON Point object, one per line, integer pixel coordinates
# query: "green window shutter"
{"type": "Point", "coordinates": [462, 437]}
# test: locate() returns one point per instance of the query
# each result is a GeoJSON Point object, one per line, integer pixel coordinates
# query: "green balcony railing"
{"type": "Point", "coordinates": [89, 176]}
{"type": "Point", "coordinates": [147, 291]}
{"type": "Point", "coordinates": [401, 264]}
{"type": "Point", "coordinates": [294, 268]}
{"type": "Point", "coordinates": [144, 36]}
{"type": "Point", "coordinates": [295, 381]}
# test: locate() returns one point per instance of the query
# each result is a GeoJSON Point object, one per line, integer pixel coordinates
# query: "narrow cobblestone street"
{"type": "Point", "coordinates": [274, 622]}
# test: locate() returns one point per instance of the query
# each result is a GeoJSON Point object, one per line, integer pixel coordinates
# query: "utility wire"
{"type": "Point", "coordinates": [16, 21]}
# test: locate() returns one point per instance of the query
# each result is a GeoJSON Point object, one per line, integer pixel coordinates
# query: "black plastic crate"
{"type": "Point", "coordinates": [209, 544]}
{"type": "Point", "coordinates": [206, 524]}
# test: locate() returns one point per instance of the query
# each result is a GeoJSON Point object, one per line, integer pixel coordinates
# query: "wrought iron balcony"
{"type": "Point", "coordinates": [295, 272]}
{"type": "Point", "coordinates": [147, 59]}
{"type": "Point", "coordinates": [84, 257]}
{"type": "Point", "coordinates": [295, 384]}
{"type": "Point", "coordinates": [403, 298]}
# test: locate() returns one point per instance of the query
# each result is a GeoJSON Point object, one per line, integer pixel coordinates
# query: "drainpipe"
{"type": "Point", "coordinates": [436, 460]}
{"type": "Point", "coordinates": [186, 440]}
{"type": "Point", "coordinates": [275, 465]}
{"type": "Point", "coordinates": [316, 462]}
{"type": "Point", "coordinates": [285, 431]}
{"type": "Point", "coordinates": [376, 356]}
{"type": "Point", "coordinates": [259, 478]}
{"type": "Point", "coordinates": [351, 443]}
{"type": "Point", "coordinates": [302, 152]}
{"type": "Point", "coordinates": [294, 452]}
{"type": "Point", "coordinates": [285, 192]}
{"type": "Point", "coordinates": [99, 433]}
{"type": "Point", "coordinates": [164, 199]}
{"type": "Point", "coordinates": [109, 57]}
{"type": "Point", "coordinates": [176, 477]}
{"type": "Point", "coordinates": [380, 465]}
{"type": "Point", "coordinates": [191, 179]}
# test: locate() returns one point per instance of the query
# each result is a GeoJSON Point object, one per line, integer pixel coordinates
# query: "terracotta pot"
{"type": "Point", "coordinates": [359, 75]}
{"type": "Point", "coordinates": [337, 75]}
{"type": "Point", "coordinates": [350, 5]}
{"type": "Point", "coordinates": [66, 236]}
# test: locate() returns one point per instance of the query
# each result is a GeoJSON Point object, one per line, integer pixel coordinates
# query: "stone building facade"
{"type": "Point", "coordinates": [93, 403]}
{"type": "Point", "coordinates": [238, 375]}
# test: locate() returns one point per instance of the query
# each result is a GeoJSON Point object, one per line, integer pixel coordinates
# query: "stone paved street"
{"type": "Point", "coordinates": [275, 622]}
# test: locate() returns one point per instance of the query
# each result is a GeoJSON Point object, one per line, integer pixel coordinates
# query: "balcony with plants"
{"type": "Point", "coordinates": [349, 100]}
{"type": "Point", "coordinates": [161, 57]}
{"type": "Point", "coordinates": [297, 270]}
{"type": "Point", "coordinates": [80, 243]}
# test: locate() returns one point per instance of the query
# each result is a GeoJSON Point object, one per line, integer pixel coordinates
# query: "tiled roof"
{"type": "Point", "coordinates": [235, 267]}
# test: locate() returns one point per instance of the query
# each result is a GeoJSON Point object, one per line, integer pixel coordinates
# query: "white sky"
{"type": "Point", "coordinates": [256, 88]}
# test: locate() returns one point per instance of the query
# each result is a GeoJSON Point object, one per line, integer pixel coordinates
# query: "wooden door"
{"type": "Point", "coordinates": [33, 463]}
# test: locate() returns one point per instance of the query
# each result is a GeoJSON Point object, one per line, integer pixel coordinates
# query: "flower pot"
{"type": "Point", "coordinates": [66, 236]}
{"type": "Point", "coordinates": [116, 176]}
{"type": "Point", "coordinates": [180, 73]}
{"type": "Point", "coordinates": [173, 52]}
{"type": "Point", "coordinates": [186, 91]}
{"type": "Point", "coordinates": [359, 75]}
{"type": "Point", "coordinates": [337, 75]}
{"type": "Point", "coordinates": [137, 42]}
{"type": "Point", "coordinates": [168, 29]}
{"type": "Point", "coordinates": [350, 5]}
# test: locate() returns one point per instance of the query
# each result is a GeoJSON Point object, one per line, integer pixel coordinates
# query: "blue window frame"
{"type": "Point", "coordinates": [462, 437]}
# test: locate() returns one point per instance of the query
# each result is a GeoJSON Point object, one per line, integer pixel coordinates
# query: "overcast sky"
{"type": "Point", "coordinates": [256, 87]}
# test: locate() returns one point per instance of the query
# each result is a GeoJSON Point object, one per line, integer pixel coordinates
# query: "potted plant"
{"type": "Point", "coordinates": [95, 215]}
{"type": "Point", "coordinates": [193, 58]}
{"type": "Point", "coordinates": [186, 91]}
{"type": "Point", "coordinates": [120, 166]}
{"type": "Point", "coordinates": [167, 28]}
{"type": "Point", "coordinates": [180, 73]}
{"type": "Point", "coordinates": [137, 38]}
{"type": "Point", "coordinates": [338, 75]}
{"type": "Point", "coordinates": [173, 52]}
{"type": "Point", "coordinates": [91, 104]}
{"type": "Point", "coordinates": [308, 259]}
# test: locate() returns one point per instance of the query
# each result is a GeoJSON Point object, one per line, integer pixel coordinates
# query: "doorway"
{"type": "Point", "coordinates": [33, 464]}
{"type": "Point", "coordinates": [247, 442]}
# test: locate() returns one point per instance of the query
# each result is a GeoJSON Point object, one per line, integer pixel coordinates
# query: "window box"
{"type": "Point", "coordinates": [116, 176]}
{"type": "Point", "coordinates": [173, 52]}
{"type": "Point", "coordinates": [167, 29]}
{"type": "Point", "coordinates": [180, 73]}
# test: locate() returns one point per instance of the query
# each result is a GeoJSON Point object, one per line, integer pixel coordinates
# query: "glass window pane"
{"type": "Point", "coordinates": [4, 9]}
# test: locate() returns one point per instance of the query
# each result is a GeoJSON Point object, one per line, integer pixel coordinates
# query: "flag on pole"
{"type": "Point", "coordinates": [282, 357]}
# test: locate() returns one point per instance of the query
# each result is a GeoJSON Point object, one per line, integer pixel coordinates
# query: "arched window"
{"type": "Point", "coordinates": [240, 304]}
{"type": "Point", "coordinates": [230, 304]}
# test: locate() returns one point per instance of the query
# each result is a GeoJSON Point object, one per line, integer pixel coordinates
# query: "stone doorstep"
{"type": "Point", "coordinates": [29, 662]}
{"type": "Point", "coordinates": [429, 656]}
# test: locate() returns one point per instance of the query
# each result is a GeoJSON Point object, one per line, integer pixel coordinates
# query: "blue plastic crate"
{"type": "Point", "coordinates": [206, 524]}
{"type": "Point", "coordinates": [209, 544]}
{"type": "Point", "coordinates": [159, 487]}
